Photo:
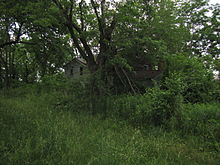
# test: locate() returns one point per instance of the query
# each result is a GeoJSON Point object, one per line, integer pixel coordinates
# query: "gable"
{"type": "Point", "coordinates": [75, 69]}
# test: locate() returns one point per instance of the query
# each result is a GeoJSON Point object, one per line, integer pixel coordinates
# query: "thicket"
{"type": "Point", "coordinates": [186, 101]}
{"type": "Point", "coordinates": [34, 132]}
{"type": "Point", "coordinates": [179, 34]}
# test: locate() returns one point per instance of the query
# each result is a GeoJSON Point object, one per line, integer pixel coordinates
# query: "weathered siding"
{"type": "Point", "coordinates": [147, 71]}
{"type": "Point", "coordinates": [75, 69]}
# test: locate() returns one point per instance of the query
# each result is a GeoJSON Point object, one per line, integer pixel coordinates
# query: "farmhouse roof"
{"type": "Point", "coordinates": [76, 60]}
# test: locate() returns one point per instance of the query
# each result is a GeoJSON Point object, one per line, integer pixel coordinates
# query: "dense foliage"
{"type": "Point", "coordinates": [173, 118]}
{"type": "Point", "coordinates": [39, 37]}
{"type": "Point", "coordinates": [47, 126]}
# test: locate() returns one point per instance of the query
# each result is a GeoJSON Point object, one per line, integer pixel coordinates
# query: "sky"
{"type": "Point", "coordinates": [214, 1]}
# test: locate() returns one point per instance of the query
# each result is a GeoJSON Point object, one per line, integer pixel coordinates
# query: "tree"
{"type": "Point", "coordinates": [83, 13]}
{"type": "Point", "coordinates": [30, 34]}
{"type": "Point", "coordinates": [202, 20]}
{"type": "Point", "coordinates": [105, 32]}
{"type": "Point", "coordinates": [109, 35]}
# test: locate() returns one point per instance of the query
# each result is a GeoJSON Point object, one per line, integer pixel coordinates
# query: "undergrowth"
{"type": "Point", "coordinates": [39, 127]}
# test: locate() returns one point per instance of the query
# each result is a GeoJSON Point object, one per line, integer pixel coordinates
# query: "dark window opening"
{"type": "Point", "coordinates": [81, 70]}
{"type": "Point", "coordinates": [71, 71]}
{"type": "Point", "coordinates": [146, 67]}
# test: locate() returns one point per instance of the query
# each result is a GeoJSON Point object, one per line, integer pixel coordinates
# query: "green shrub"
{"type": "Point", "coordinates": [33, 133]}
{"type": "Point", "coordinates": [166, 103]}
{"type": "Point", "coordinates": [198, 79]}
{"type": "Point", "coordinates": [53, 82]}
{"type": "Point", "coordinates": [203, 120]}
{"type": "Point", "coordinates": [216, 92]}
{"type": "Point", "coordinates": [156, 107]}
{"type": "Point", "coordinates": [165, 106]}
{"type": "Point", "coordinates": [75, 97]}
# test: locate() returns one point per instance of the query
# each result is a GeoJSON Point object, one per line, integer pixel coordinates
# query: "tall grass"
{"type": "Point", "coordinates": [34, 131]}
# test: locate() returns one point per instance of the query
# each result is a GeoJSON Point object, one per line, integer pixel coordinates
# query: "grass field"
{"type": "Point", "coordinates": [33, 132]}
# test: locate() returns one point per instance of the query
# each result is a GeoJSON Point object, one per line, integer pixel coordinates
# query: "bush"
{"type": "Point", "coordinates": [166, 103]}
{"type": "Point", "coordinates": [203, 120]}
{"type": "Point", "coordinates": [53, 82]}
{"type": "Point", "coordinates": [198, 79]}
{"type": "Point", "coordinates": [157, 106]}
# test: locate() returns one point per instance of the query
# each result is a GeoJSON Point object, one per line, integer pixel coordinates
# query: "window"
{"type": "Point", "coordinates": [81, 70]}
{"type": "Point", "coordinates": [146, 67]}
{"type": "Point", "coordinates": [71, 71]}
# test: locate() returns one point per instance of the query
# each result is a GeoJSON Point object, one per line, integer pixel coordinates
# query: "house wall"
{"type": "Point", "coordinates": [75, 70]}
{"type": "Point", "coordinates": [148, 74]}
{"type": "Point", "coordinates": [147, 71]}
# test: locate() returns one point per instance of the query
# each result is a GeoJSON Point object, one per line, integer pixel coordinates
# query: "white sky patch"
{"type": "Point", "coordinates": [214, 1]}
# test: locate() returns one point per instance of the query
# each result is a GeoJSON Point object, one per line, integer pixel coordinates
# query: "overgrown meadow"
{"type": "Point", "coordinates": [57, 122]}
{"type": "Point", "coordinates": [141, 88]}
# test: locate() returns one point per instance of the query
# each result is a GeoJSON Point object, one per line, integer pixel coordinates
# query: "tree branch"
{"type": "Point", "coordinates": [17, 39]}
{"type": "Point", "coordinates": [111, 28]}
{"type": "Point", "coordinates": [129, 81]}
{"type": "Point", "coordinates": [82, 39]}
{"type": "Point", "coordinates": [19, 32]}
{"type": "Point", "coordinates": [58, 4]}
{"type": "Point", "coordinates": [14, 43]}
{"type": "Point", "coordinates": [77, 44]}
{"type": "Point", "coordinates": [71, 9]}
{"type": "Point", "coordinates": [100, 23]}
{"type": "Point", "coordinates": [103, 12]}
{"type": "Point", "coordinates": [119, 76]}
{"type": "Point", "coordinates": [81, 14]}
{"type": "Point", "coordinates": [86, 53]}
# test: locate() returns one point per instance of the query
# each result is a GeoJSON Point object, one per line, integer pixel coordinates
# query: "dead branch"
{"type": "Point", "coordinates": [129, 81]}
